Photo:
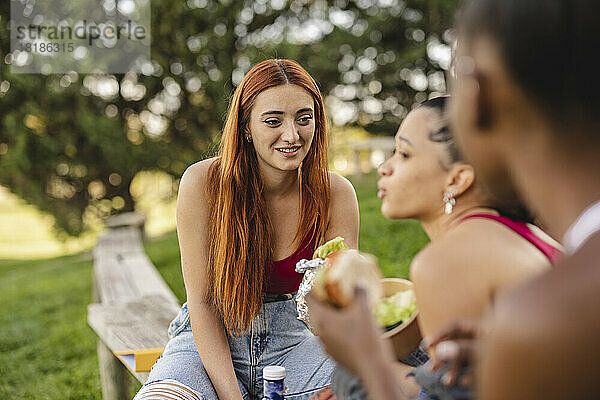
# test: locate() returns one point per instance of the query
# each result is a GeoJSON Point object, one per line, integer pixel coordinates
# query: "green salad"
{"type": "Point", "coordinates": [396, 308]}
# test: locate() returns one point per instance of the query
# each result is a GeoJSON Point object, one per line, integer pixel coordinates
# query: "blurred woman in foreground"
{"type": "Point", "coordinates": [527, 115]}
{"type": "Point", "coordinates": [476, 249]}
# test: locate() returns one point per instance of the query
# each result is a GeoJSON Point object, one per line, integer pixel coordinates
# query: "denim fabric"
{"type": "Point", "coordinates": [346, 386]}
{"type": "Point", "coordinates": [276, 337]}
{"type": "Point", "coordinates": [434, 389]}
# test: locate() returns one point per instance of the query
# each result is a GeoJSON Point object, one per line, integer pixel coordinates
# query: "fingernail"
{"type": "Point", "coordinates": [446, 379]}
{"type": "Point", "coordinates": [446, 350]}
{"type": "Point", "coordinates": [429, 365]}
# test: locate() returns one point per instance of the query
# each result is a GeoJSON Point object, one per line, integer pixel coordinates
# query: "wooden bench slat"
{"type": "Point", "coordinates": [134, 325]}
{"type": "Point", "coordinates": [123, 278]}
{"type": "Point", "coordinates": [133, 308]}
{"type": "Point", "coordinates": [147, 279]}
{"type": "Point", "coordinates": [124, 272]}
{"type": "Point", "coordinates": [115, 281]}
{"type": "Point", "coordinates": [121, 240]}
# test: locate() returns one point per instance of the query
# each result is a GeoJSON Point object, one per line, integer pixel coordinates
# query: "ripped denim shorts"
{"type": "Point", "coordinates": [276, 337]}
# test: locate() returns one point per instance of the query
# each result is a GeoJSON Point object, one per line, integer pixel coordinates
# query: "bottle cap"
{"type": "Point", "coordinates": [273, 372]}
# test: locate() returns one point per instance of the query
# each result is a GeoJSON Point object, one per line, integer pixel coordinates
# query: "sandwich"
{"type": "Point", "coordinates": [343, 271]}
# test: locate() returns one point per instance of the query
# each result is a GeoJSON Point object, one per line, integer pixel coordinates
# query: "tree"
{"type": "Point", "coordinates": [72, 143]}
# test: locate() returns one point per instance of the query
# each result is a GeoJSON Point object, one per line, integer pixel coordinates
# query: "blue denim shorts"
{"type": "Point", "coordinates": [276, 337]}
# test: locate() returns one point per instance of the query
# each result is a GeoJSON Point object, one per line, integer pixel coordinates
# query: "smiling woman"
{"type": "Point", "coordinates": [244, 218]}
{"type": "Point", "coordinates": [282, 136]}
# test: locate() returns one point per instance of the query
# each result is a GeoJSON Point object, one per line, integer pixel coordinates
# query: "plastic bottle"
{"type": "Point", "coordinates": [273, 387]}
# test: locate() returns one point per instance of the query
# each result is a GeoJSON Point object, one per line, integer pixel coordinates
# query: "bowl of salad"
{"type": "Point", "coordinates": [397, 314]}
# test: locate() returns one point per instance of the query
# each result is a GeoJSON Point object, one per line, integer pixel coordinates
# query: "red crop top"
{"type": "Point", "coordinates": [283, 277]}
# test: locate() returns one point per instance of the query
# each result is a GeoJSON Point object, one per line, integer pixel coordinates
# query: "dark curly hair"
{"type": "Point", "coordinates": [443, 135]}
{"type": "Point", "coordinates": [546, 47]}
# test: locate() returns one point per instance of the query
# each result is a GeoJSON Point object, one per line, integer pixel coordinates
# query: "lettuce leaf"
{"type": "Point", "coordinates": [398, 307]}
{"type": "Point", "coordinates": [330, 247]}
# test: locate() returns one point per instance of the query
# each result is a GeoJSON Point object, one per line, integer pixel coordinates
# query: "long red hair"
{"type": "Point", "coordinates": [240, 229]}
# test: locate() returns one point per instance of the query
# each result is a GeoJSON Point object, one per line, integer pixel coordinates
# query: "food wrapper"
{"type": "Point", "coordinates": [309, 268]}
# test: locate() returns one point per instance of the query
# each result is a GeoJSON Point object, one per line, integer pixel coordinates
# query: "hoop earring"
{"type": "Point", "coordinates": [449, 202]}
{"type": "Point", "coordinates": [249, 139]}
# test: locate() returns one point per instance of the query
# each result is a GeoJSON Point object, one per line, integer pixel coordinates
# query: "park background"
{"type": "Point", "coordinates": [77, 148]}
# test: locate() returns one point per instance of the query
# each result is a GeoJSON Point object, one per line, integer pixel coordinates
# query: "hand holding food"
{"type": "Point", "coordinates": [335, 274]}
{"type": "Point", "coordinates": [343, 271]}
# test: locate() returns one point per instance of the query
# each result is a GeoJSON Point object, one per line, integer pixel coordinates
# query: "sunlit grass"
{"type": "Point", "coordinates": [26, 232]}
{"type": "Point", "coordinates": [47, 351]}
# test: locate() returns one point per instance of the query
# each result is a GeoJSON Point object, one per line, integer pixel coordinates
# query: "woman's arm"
{"type": "Point", "coordinates": [351, 336]}
{"type": "Point", "coordinates": [208, 330]}
{"type": "Point", "coordinates": [343, 211]}
{"type": "Point", "coordinates": [449, 285]}
{"type": "Point", "coordinates": [458, 275]}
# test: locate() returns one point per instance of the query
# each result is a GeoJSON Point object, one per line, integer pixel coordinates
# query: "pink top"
{"type": "Point", "coordinates": [283, 277]}
{"type": "Point", "coordinates": [523, 229]}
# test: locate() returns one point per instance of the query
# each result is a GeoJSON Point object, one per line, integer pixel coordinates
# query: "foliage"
{"type": "Point", "coordinates": [71, 146]}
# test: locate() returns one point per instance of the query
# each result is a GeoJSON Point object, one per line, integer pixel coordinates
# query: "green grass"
{"type": "Point", "coordinates": [393, 242]}
{"type": "Point", "coordinates": [47, 350]}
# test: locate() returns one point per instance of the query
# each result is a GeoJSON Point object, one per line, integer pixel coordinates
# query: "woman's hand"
{"type": "Point", "coordinates": [455, 345]}
{"type": "Point", "coordinates": [350, 335]}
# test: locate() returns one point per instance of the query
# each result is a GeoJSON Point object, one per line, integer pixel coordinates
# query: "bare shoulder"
{"type": "Point", "coordinates": [496, 241]}
{"type": "Point", "coordinates": [446, 255]}
{"type": "Point", "coordinates": [549, 327]}
{"type": "Point", "coordinates": [448, 284]}
{"type": "Point", "coordinates": [423, 263]}
{"type": "Point", "coordinates": [343, 211]}
{"type": "Point", "coordinates": [196, 173]}
{"type": "Point", "coordinates": [444, 266]}
{"type": "Point", "coordinates": [192, 201]}
{"type": "Point", "coordinates": [457, 275]}
{"type": "Point", "coordinates": [483, 250]}
{"type": "Point", "coordinates": [340, 187]}
{"type": "Point", "coordinates": [193, 182]}
{"type": "Point", "coordinates": [503, 255]}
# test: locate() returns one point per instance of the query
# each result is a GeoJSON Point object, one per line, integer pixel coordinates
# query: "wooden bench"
{"type": "Point", "coordinates": [133, 306]}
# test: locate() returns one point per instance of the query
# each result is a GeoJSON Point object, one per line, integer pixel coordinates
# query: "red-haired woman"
{"type": "Point", "coordinates": [244, 218]}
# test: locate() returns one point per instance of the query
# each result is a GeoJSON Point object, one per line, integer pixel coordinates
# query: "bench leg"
{"type": "Point", "coordinates": [113, 375]}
